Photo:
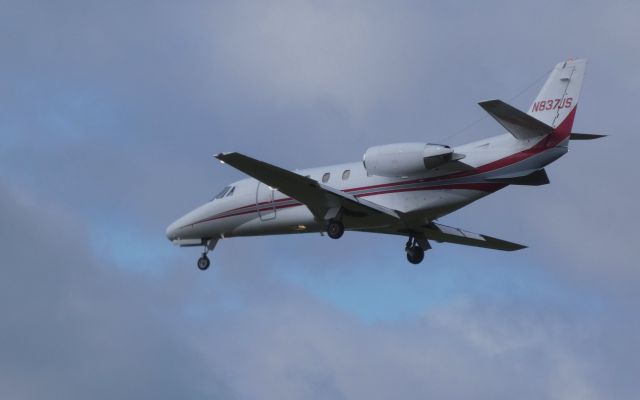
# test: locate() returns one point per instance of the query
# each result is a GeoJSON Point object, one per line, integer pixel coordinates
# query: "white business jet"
{"type": "Point", "coordinates": [399, 189]}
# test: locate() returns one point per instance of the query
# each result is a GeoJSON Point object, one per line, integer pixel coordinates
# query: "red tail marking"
{"type": "Point", "coordinates": [566, 125]}
{"type": "Point", "coordinates": [562, 131]}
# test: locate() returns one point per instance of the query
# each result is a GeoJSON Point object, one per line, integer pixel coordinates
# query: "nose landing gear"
{"type": "Point", "coordinates": [203, 261]}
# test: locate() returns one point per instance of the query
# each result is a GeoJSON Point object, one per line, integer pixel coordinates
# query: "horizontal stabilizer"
{"type": "Point", "coordinates": [520, 124]}
{"type": "Point", "coordinates": [535, 178]}
{"type": "Point", "coordinates": [586, 136]}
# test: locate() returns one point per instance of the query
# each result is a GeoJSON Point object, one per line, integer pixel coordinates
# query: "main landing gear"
{"type": "Point", "coordinates": [415, 249]}
{"type": "Point", "coordinates": [203, 261]}
{"type": "Point", "coordinates": [335, 229]}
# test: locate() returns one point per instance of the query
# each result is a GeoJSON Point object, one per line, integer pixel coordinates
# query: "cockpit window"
{"type": "Point", "coordinates": [230, 192]}
{"type": "Point", "coordinates": [222, 193]}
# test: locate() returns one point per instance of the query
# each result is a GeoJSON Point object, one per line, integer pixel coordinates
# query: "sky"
{"type": "Point", "coordinates": [110, 113]}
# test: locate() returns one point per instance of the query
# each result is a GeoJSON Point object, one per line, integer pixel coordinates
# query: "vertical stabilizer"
{"type": "Point", "coordinates": [556, 102]}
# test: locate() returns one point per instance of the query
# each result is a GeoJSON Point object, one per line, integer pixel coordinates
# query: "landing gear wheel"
{"type": "Point", "coordinates": [335, 229]}
{"type": "Point", "coordinates": [203, 262]}
{"type": "Point", "coordinates": [415, 254]}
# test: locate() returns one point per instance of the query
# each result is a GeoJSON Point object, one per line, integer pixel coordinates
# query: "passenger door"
{"type": "Point", "coordinates": [265, 203]}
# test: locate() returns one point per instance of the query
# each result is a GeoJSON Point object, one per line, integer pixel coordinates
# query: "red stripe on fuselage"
{"type": "Point", "coordinates": [558, 135]}
{"type": "Point", "coordinates": [484, 187]}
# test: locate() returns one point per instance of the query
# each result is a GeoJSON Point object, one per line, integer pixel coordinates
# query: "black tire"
{"type": "Point", "coordinates": [415, 255]}
{"type": "Point", "coordinates": [203, 263]}
{"type": "Point", "coordinates": [335, 229]}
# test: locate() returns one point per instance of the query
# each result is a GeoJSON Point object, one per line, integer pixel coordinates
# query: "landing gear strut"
{"type": "Point", "coordinates": [335, 229]}
{"type": "Point", "coordinates": [414, 250]}
{"type": "Point", "coordinates": [203, 261]}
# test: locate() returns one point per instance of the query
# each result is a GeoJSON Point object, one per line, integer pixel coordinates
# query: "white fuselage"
{"type": "Point", "coordinates": [254, 209]}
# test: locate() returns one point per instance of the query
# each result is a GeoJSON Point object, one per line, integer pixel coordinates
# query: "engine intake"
{"type": "Point", "coordinates": [407, 159]}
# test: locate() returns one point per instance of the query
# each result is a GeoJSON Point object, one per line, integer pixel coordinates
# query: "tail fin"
{"type": "Point", "coordinates": [556, 102]}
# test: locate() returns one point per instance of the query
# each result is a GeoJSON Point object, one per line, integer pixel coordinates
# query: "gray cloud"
{"type": "Point", "coordinates": [75, 327]}
{"type": "Point", "coordinates": [111, 112]}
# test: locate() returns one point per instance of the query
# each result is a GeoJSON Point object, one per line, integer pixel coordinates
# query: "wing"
{"type": "Point", "coordinates": [323, 201]}
{"type": "Point", "coordinates": [447, 234]}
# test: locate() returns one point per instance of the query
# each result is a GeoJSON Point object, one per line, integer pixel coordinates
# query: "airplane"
{"type": "Point", "coordinates": [400, 189]}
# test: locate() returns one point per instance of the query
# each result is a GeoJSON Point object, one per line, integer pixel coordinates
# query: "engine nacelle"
{"type": "Point", "coordinates": [406, 159]}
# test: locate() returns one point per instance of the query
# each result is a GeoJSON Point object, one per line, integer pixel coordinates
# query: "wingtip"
{"type": "Point", "coordinates": [489, 102]}
{"type": "Point", "coordinates": [508, 246]}
{"type": "Point", "coordinates": [222, 156]}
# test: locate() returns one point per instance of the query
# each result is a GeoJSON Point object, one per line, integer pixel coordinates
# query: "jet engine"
{"type": "Point", "coordinates": [407, 159]}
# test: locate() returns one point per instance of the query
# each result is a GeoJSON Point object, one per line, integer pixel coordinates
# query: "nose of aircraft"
{"type": "Point", "coordinates": [172, 230]}
{"type": "Point", "coordinates": [180, 228]}
{"type": "Point", "coordinates": [183, 227]}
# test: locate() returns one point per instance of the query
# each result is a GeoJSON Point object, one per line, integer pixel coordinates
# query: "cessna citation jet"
{"type": "Point", "coordinates": [399, 189]}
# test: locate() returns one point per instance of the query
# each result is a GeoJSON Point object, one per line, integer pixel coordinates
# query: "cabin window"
{"type": "Point", "coordinates": [230, 192]}
{"type": "Point", "coordinates": [325, 177]}
{"type": "Point", "coordinates": [346, 174]}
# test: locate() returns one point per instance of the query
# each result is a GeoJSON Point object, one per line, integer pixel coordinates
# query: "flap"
{"type": "Point", "coordinates": [448, 234]}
